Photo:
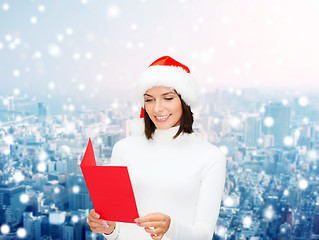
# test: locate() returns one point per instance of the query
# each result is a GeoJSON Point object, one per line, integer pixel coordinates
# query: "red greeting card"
{"type": "Point", "coordinates": [110, 189]}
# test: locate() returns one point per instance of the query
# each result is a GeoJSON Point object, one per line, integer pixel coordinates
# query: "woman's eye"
{"type": "Point", "coordinates": [168, 98]}
{"type": "Point", "coordinates": [148, 100]}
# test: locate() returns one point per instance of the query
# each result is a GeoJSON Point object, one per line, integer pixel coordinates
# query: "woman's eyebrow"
{"type": "Point", "coordinates": [162, 94]}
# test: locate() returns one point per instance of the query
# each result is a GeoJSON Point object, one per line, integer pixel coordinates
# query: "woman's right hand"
{"type": "Point", "coordinates": [98, 225]}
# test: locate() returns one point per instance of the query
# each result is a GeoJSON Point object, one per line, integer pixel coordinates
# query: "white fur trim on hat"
{"type": "Point", "coordinates": [136, 127]}
{"type": "Point", "coordinates": [168, 76]}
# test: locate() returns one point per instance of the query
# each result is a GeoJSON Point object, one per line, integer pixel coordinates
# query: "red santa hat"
{"type": "Point", "coordinates": [168, 72]}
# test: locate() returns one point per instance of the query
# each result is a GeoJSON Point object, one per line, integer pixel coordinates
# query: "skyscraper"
{"type": "Point", "coordinates": [252, 131]}
{"type": "Point", "coordinates": [11, 207]}
{"type": "Point", "coordinates": [279, 116]}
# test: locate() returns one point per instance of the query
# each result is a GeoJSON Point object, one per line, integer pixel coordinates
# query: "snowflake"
{"type": "Point", "coordinates": [37, 55]}
{"type": "Point", "coordinates": [24, 198]}
{"type": "Point", "coordinates": [5, 7]}
{"type": "Point", "coordinates": [229, 202]}
{"type": "Point", "coordinates": [18, 177]}
{"type": "Point", "coordinates": [33, 20]}
{"type": "Point", "coordinates": [71, 107]}
{"type": "Point", "coordinates": [88, 55]}
{"type": "Point", "coordinates": [269, 213]}
{"type": "Point", "coordinates": [5, 229]}
{"type": "Point", "coordinates": [305, 120]}
{"type": "Point", "coordinates": [76, 56]}
{"type": "Point", "coordinates": [9, 139]}
{"type": "Point", "coordinates": [54, 50]}
{"type": "Point", "coordinates": [75, 218]}
{"type": "Point", "coordinates": [69, 31]}
{"type": "Point", "coordinates": [16, 91]}
{"type": "Point", "coordinates": [288, 141]}
{"type": "Point", "coordinates": [41, 8]}
{"type": "Point", "coordinates": [235, 123]}
{"type": "Point", "coordinates": [133, 26]}
{"type": "Point", "coordinates": [51, 85]}
{"type": "Point", "coordinates": [81, 87]}
{"type": "Point", "coordinates": [269, 122]}
{"type": "Point", "coordinates": [8, 37]}
{"type": "Point", "coordinates": [60, 38]}
{"type": "Point", "coordinates": [141, 45]}
{"type": "Point", "coordinates": [224, 149]}
{"type": "Point", "coordinates": [41, 167]}
{"type": "Point", "coordinates": [303, 101]}
{"type": "Point", "coordinates": [76, 189]}
{"type": "Point", "coordinates": [247, 221]}
{"type": "Point", "coordinates": [303, 184]}
{"type": "Point", "coordinates": [113, 12]}
{"type": "Point", "coordinates": [56, 190]}
{"type": "Point", "coordinates": [284, 102]}
{"type": "Point", "coordinates": [16, 73]}
{"type": "Point", "coordinates": [238, 92]}
{"type": "Point", "coordinates": [286, 192]}
{"type": "Point", "coordinates": [129, 45]}
{"type": "Point", "coordinates": [21, 233]}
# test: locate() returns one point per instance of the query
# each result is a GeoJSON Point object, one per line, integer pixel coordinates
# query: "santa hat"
{"type": "Point", "coordinates": [168, 72]}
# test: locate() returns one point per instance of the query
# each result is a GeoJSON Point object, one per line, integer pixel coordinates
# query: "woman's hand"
{"type": "Point", "coordinates": [157, 224]}
{"type": "Point", "coordinates": [98, 225]}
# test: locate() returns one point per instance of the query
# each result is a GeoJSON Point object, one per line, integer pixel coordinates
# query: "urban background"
{"type": "Point", "coordinates": [67, 73]}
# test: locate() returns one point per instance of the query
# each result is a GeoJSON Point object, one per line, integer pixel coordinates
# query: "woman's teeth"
{"type": "Point", "coordinates": [164, 117]}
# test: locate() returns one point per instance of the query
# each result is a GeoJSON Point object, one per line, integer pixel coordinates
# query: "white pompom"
{"type": "Point", "coordinates": [136, 127]}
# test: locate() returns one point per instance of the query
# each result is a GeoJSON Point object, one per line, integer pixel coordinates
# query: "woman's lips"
{"type": "Point", "coordinates": [162, 118]}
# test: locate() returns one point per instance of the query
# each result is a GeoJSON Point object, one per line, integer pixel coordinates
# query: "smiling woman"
{"type": "Point", "coordinates": [177, 178]}
{"type": "Point", "coordinates": [163, 106]}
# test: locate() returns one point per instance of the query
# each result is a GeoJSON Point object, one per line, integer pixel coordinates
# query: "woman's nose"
{"type": "Point", "coordinates": [158, 106]}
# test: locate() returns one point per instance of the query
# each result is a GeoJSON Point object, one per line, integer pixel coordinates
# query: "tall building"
{"type": "Point", "coordinates": [252, 131]}
{"type": "Point", "coordinates": [280, 115]}
{"type": "Point", "coordinates": [42, 112]}
{"type": "Point", "coordinates": [32, 225]}
{"type": "Point", "coordinates": [79, 197]}
{"type": "Point", "coordinates": [11, 207]}
{"type": "Point", "coordinates": [315, 230]}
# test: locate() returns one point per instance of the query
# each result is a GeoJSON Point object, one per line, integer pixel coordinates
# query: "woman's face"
{"type": "Point", "coordinates": [163, 106]}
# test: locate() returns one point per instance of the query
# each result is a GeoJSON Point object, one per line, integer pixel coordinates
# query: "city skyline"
{"type": "Point", "coordinates": [271, 189]}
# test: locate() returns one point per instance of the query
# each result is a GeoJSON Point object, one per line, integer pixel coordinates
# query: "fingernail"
{"type": "Point", "coordinates": [136, 220]}
{"type": "Point", "coordinates": [104, 223]}
{"type": "Point", "coordinates": [97, 215]}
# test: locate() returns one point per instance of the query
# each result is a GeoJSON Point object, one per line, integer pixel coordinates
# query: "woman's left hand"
{"type": "Point", "coordinates": [157, 224]}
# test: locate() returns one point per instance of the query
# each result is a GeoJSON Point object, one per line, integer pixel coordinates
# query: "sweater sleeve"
{"type": "Point", "coordinates": [115, 161]}
{"type": "Point", "coordinates": [208, 204]}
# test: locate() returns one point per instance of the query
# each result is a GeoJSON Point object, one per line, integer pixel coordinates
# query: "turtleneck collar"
{"type": "Point", "coordinates": [166, 134]}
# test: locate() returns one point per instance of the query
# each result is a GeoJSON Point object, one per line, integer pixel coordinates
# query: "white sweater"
{"type": "Point", "coordinates": [183, 178]}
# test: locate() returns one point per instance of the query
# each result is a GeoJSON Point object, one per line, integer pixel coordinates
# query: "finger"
{"type": "Point", "coordinates": [93, 219]}
{"type": "Point", "coordinates": [157, 237]}
{"type": "Point", "coordinates": [94, 214]}
{"type": "Point", "coordinates": [151, 218]}
{"type": "Point", "coordinates": [151, 224]}
{"type": "Point", "coordinates": [151, 230]}
{"type": "Point", "coordinates": [98, 229]}
{"type": "Point", "coordinates": [97, 224]}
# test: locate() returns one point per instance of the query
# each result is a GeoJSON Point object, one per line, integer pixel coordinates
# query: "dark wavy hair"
{"type": "Point", "coordinates": [186, 124]}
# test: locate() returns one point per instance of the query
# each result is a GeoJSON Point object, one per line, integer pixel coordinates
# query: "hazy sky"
{"type": "Point", "coordinates": [94, 50]}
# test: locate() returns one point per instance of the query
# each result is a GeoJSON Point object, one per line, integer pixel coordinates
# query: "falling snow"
{"type": "Point", "coordinates": [5, 229]}
{"type": "Point", "coordinates": [24, 198]}
{"type": "Point", "coordinates": [5, 7]}
{"type": "Point", "coordinates": [269, 122]}
{"type": "Point", "coordinates": [21, 233]}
